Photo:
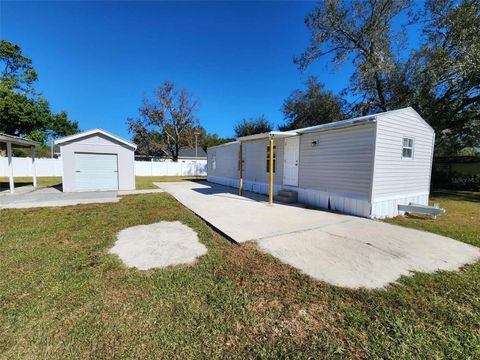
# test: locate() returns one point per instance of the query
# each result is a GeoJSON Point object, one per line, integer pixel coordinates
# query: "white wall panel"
{"type": "Point", "coordinates": [53, 167]}
{"type": "Point", "coordinates": [395, 176]}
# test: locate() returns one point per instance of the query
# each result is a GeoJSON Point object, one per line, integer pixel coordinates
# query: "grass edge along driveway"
{"type": "Point", "coordinates": [62, 295]}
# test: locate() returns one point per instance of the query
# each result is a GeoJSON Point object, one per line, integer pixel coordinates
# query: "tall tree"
{"type": "Point", "coordinates": [171, 113]}
{"type": "Point", "coordinates": [311, 107]}
{"type": "Point", "coordinates": [252, 126]}
{"type": "Point", "coordinates": [18, 72]}
{"type": "Point", "coordinates": [213, 140]}
{"type": "Point", "coordinates": [206, 140]}
{"type": "Point", "coordinates": [23, 111]}
{"type": "Point", "coordinates": [148, 142]}
{"type": "Point", "coordinates": [359, 30]}
{"type": "Point", "coordinates": [445, 73]}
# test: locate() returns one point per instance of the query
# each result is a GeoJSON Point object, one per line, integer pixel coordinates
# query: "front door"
{"type": "Point", "coordinates": [291, 153]}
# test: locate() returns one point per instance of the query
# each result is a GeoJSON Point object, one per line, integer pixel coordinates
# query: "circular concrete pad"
{"type": "Point", "coordinates": [158, 245]}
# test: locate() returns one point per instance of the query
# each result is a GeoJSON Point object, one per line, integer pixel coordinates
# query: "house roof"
{"type": "Point", "coordinates": [190, 152]}
{"type": "Point", "coordinates": [338, 124]}
{"type": "Point", "coordinates": [92, 132]}
{"type": "Point", "coordinates": [323, 127]}
{"type": "Point", "coordinates": [266, 135]}
{"type": "Point", "coordinates": [224, 144]}
{"type": "Point", "coordinates": [18, 141]}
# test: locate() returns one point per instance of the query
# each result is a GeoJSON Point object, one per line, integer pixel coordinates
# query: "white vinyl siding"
{"type": "Point", "coordinates": [223, 160]}
{"type": "Point", "coordinates": [396, 175]}
{"type": "Point", "coordinates": [340, 162]}
{"type": "Point", "coordinates": [255, 155]}
{"type": "Point", "coordinates": [96, 172]}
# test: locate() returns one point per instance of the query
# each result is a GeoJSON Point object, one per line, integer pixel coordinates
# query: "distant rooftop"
{"type": "Point", "coordinates": [190, 152]}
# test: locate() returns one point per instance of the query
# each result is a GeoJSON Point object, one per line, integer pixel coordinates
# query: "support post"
{"type": "Point", "coordinates": [10, 167]}
{"type": "Point", "coordinates": [270, 165]}
{"type": "Point", "coordinates": [240, 184]}
{"type": "Point", "coordinates": [34, 169]}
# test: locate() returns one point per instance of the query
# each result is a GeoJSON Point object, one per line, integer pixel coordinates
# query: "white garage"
{"type": "Point", "coordinates": [97, 160]}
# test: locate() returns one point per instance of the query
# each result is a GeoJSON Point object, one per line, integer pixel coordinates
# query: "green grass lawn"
{"type": "Point", "coordinates": [42, 181]}
{"type": "Point", "coordinates": [142, 182]}
{"type": "Point", "coordinates": [461, 220]}
{"type": "Point", "coordinates": [63, 296]}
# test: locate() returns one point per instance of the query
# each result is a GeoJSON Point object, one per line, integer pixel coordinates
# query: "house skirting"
{"type": "Point", "coordinates": [388, 206]}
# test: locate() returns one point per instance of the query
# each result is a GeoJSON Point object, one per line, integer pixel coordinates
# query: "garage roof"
{"type": "Point", "coordinates": [93, 132]}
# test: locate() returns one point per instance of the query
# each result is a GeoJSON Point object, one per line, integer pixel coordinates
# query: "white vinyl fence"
{"type": "Point", "coordinates": [170, 168]}
{"type": "Point", "coordinates": [53, 167]}
{"type": "Point", "coordinates": [24, 167]}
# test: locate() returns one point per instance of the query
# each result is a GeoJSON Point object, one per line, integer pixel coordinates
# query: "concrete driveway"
{"type": "Point", "coordinates": [339, 249]}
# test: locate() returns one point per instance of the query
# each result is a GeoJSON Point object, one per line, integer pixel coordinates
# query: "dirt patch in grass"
{"type": "Point", "coordinates": [159, 245]}
{"type": "Point", "coordinates": [146, 182]}
{"type": "Point", "coordinates": [63, 296]}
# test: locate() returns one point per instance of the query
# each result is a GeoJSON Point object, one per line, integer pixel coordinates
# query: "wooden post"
{"type": "Point", "coordinates": [34, 169]}
{"type": "Point", "coordinates": [240, 184]}
{"type": "Point", "coordinates": [10, 167]}
{"type": "Point", "coordinates": [270, 165]}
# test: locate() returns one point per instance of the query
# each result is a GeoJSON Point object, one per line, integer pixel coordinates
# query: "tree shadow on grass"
{"type": "Point", "coordinates": [457, 195]}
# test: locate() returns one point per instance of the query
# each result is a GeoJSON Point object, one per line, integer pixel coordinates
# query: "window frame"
{"type": "Point", "coordinates": [411, 148]}
{"type": "Point", "coordinates": [267, 152]}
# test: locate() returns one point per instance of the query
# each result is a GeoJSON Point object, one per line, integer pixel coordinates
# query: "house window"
{"type": "Point", "coordinates": [274, 158]}
{"type": "Point", "coordinates": [407, 148]}
{"type": "Point", "coordinates": [214, 161]}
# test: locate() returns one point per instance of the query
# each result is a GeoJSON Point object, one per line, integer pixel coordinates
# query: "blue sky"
{"type": "Point", "coordinates": [96, 60]}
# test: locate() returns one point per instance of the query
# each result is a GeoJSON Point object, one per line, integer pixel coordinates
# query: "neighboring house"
{"type": "Point", "coordinates": [96, 160]}
{"type": "Point", "coordinates": [365, 166]}
{"type": "Point", "coordinates": [184, 154]}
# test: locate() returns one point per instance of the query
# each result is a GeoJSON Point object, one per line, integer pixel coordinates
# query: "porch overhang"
{"type": "Point", "coordinates": [268, 136]}
{"type": "Point", "coordinates": [11, 141]}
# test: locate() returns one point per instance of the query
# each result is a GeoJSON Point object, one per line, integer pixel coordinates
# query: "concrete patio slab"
{"type": "Point", "coordinates": [18, 190]}
{"type": "Point", "coordinates": [339, 249]}
{"type": "Point", "coordinates": [52, 197]}
{"type": "Point", "coordinates": [249, 217]}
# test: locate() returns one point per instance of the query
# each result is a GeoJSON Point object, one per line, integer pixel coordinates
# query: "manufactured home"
{"type": "Point", "coordinates": [365, 166]}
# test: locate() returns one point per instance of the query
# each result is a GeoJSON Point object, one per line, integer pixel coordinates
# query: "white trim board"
{"type": "Point", "coordinates": [93, 132]}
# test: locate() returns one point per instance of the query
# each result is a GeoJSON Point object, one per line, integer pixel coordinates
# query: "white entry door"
{"type": "Point", "coordinates": [96, 172]}
{"type": "Point", "coordinates": [291, 158]}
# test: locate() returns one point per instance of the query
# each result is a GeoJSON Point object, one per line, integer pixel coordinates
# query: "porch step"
{"type": "Point", "coordinates": [286, 196]}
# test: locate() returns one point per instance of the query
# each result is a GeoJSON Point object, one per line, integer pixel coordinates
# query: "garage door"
{"type": "Point", "coordinates": [96, 172]}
